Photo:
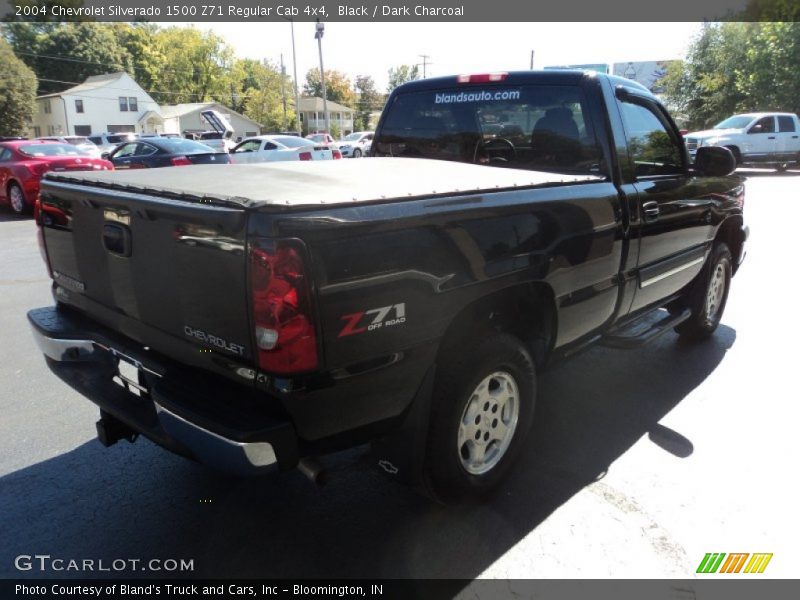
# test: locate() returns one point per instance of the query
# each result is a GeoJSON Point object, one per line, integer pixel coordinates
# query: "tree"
{"type": "Point", "coordinates": [17, 92]}
{"type": "Point", "coordinates": [736, 67]}
{"type": "Point", "coordinates": [337, 85]}
{"type": "Point", "coordinates": [262, 96]}
{"type": "Point", "coordinates": [369, 99]}
{"type": "Point", "coordinates": [399, 75]}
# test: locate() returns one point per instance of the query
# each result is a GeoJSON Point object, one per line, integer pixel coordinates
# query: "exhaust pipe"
{"type": "Point", "coordinates": [313, 470]}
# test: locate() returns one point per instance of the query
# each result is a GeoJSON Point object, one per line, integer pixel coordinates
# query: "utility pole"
{"type": "Point", "coordinates": [296, 93]}
{"type": "Point", "coordinates": [318, 35]}
{"type": "Point", "coordinates": [531, 60]}
{"type": "Point", "coordinates": [283, 95]}
{"type": "Point", "coordinates": [425, 64]}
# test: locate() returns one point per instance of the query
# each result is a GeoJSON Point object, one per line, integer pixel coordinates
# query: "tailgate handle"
{"type": "Point", "coordinates": [117, 239]}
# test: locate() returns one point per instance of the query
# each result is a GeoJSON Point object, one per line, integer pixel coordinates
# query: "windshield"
{"type": "Point", "coordinates": [353, 137]}
{"type": "Point", "coordinates": [78, 140]}
{"type": "Point", "coordinates": [181, 146]}
{"type": "Point", "coordinates": [735, 122]}
{"type": "Point", "coordinates": [291, 141]}
{"type": "Point", "coordinates": [545, 128]}
{"type": "Point", "coordinates": [50, 150]}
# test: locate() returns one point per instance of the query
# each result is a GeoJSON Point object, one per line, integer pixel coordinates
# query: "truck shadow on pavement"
{"type": "Point", "coordinates": [138, 502]}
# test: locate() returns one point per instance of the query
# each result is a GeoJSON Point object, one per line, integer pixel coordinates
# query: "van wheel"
{"type": "Point", "coordinates": [708, 295]}
{"type": "Point", "coordinates": [482, 409]}
{"type": "Point", "coordinates": [16, 198]}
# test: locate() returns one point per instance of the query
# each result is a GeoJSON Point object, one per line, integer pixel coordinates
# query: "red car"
{"type": "Point", "coordinates": [24, 162]}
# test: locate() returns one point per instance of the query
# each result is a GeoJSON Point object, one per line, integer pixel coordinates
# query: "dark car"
{"type": "Point", "coordinates": [148, 153]}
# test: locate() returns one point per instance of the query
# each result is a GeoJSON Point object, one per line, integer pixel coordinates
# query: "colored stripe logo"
{"type": "Point", "coordinates": [719, 562]}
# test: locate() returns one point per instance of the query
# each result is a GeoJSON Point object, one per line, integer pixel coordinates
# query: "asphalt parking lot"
{"type": "Point", "coordinates": [639, 462]}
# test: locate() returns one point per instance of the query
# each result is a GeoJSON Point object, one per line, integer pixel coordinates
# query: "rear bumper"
{"type": "Point", "coordinates": [218, 423]}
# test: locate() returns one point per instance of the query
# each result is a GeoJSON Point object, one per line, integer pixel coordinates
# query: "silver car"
{"type": "Point", "coordinates": [356, 144]}
{"type": "Point", "coordinates": [80, 142]}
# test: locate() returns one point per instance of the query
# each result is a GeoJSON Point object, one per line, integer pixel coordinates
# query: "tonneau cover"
{"type": "Point", "coordinates": [294, 184]}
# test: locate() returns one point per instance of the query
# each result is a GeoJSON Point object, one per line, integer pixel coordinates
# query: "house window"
{"type": "Point", "coordinates": [123, 104]}
{"type": "Point", "coordinates": [78, 106]}
{"type": "Point", "coordinates": [47, 106]}
{"type": "Point", "coordinates": [37, 132]}
{"type": "Point", "coordinates": [84, 130]}
{"type": "Point", "coordinates": [51, 130]}
{"type": "Point", "coordinates": [133, 106]}
{"type": "Point", "coordinates": [302, 117]}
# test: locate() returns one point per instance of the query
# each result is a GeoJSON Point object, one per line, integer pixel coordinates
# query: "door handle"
{"type": "Point", "coordinates": [772, 137]}
{"type": "Point", "coordinates": [650, 210]}
{"type": "Point", "coordinates": [794, 137]}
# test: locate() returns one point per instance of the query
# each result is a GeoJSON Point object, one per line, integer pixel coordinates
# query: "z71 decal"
{"type": "Point", "coordinates": [370, 320]}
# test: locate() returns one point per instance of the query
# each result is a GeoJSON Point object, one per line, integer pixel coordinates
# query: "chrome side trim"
{"type": "Point", "coordinates": [683, 267]}
{"type": "Point", "coordinates": [213, 447]}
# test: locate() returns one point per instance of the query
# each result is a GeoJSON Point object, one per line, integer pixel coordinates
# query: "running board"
{"type": "Point", "coordinates": [638, 339]}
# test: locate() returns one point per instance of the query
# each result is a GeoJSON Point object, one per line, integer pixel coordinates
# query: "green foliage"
{"type": "Point", "coordinates": [736, 67]}
{"type": "Point", "coordinates": [337, 85]}
{"type": "Point", "coordinates": [369, 99]}
{"type": "Point", "coordinates": [17, 93]}
{"type": "Point", "coordinates": [263, 102]}
{"type": "Point", "coordinates": [401, 74]}
{"type": "Point", "coordinates": [335, 132]}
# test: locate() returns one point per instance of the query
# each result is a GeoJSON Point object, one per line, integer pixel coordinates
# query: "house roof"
{"type": "Point", "coordinates": [315, 104]}
{"type": "Point", "coordinates": [91, 83]}
{"type": "Point", "coordinates": [172, 111]}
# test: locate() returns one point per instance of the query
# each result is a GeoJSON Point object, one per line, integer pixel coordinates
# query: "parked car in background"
{"type": "Point", "coordinates": [24, 162]}
{"type": "Point", "coordinates": [106, 142]}
{"type": "Point", "coordinates": [323, 138]}
{"type": "Point", "coordinates": [221, 138]}
{"type": "Point", "coordinates": [148, 153]}
{"type": "Point", "coordinates": [756, 139]}
{"type": "Point", "coordinates": [159, 135]}
{"type": "Point", "coordinates": [82, 143]}
{"type": "Point", "coordinates": [355, 144]}
{"type": "Point", "coordinates": [268, 148]}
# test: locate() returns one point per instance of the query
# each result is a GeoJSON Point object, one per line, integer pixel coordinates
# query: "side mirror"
{"type": "Point", "coordinates": [106, 156]}
{"type": "Point", "coordinates": [714, 161]}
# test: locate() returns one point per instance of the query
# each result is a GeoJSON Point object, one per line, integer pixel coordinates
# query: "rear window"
{"type": "Point", "coordinates": [50, 150]}
{"type": "Point", "coordinates": [77, 140]}
{"type": "Point", "coordinates": [292, 141]}
{"type": "Point", "coordinates": [118, 139]}
{"type": "Point", "coordinates": [181, 146]}
{"type": "Point", "coordinates": [534, 127]}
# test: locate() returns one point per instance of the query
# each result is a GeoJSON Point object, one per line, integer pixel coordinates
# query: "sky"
{"type": "Point", "coordinates": [371, 48]}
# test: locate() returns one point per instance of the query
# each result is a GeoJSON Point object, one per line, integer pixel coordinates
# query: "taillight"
{"type": "Point", "coordinates": [482, 78]}
{"type": "Point", "coordinates": [180, 161]}
{"type": "Point", "coordinates": [337, 154]}
{"type": "Point", "coordinates": [38, 169]}
{"type": "Point", "coordinates": [285, 336]}
{"type": "Point", "coordinates": [305, 156]}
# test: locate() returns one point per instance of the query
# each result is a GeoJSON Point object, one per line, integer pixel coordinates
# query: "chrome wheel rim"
{"type": "Point", "coordinates": [715, 293]}
{"type": "Point", "coordinates": [488, 423]}
{"type": "Point", "coordinates": [16, 199]}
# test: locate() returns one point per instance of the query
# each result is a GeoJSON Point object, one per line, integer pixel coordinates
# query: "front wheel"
{"type": "Point", "coordinates": [483, 407]}
{"type": "Point", "coordinates": [708, 295]}
{"type": "Point", "coordinates": [356, 153]}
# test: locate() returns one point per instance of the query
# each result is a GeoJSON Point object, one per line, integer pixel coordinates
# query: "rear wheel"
{"type": "Point", "coordinates": [357, 153]}
{"type": "Point", "coordinates": [736, 154]}
{"type": "Point", "coordinates": [708, 295]}
{"type": "Point", "coordinates": [16, 198]}
{"type": "Point", "coordinates": [483, 408]}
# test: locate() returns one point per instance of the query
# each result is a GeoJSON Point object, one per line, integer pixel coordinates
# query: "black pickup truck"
{"type": "Point", "coordinates": [255, 317]}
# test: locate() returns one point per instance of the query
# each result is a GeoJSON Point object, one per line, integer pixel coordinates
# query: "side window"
{"type": "Point", "coordinates": [651, 145]}
{"type": "Point", "coordinates": [763, 125]}
{"type": "Point", "coordinates": [126, 150]}
{"type": "Point", "coordinates": [249, 146]}
{"type": "Point", "coordinates": [5, 154]}
{"type": "Point", "coordinates": [96, 140]}
{"type": "Point", "coordinates": [786, 124]}
{"type": "Point", "coordinates": [270, 146]}
{"type": "Point", "coordinates": [145, 150]}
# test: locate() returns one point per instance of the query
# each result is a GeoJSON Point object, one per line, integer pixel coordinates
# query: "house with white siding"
{"type": "Point", "coordinates": [112, 103]}
{"type": "Point", "coordinates": [312, 115]}
{"type": "Point", "coordinates": [186, 118]}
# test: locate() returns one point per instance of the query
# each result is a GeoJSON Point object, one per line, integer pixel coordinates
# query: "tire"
{"type": "Point", "coordinates": [483, 405]}
{"type": "Point", "coordinates": [357, 153]}
{"type": "Point", "coordinates": [736, 155]}
{"type": "Point", "coordinates": [708, 295]}
{"type": "Point", "coordinates": [16, 199]}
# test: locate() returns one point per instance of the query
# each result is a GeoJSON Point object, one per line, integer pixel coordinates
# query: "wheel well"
{"type": "Point", "coordinates": [737, 154]}
{"type": "Point", "coordinates": [526, 311]}
{"type": "Point", "coordinates": [730, 232]}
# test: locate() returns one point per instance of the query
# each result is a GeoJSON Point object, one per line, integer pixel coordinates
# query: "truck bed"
{"type": "Point", "coordinates": [297, 184]}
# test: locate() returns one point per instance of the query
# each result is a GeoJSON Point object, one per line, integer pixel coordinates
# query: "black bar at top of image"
{"type": "Point", "coordinates": [745, 588]}
{"type": "Point", "coordinates": [400, 10]}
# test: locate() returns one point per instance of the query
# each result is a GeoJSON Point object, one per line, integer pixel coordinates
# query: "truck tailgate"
{"type": "Point", "coordinates": [150, 265]}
